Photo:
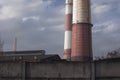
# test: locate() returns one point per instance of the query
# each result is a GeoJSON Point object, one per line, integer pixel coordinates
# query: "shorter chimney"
{"type": "Point", "coordinates": [68, 30]}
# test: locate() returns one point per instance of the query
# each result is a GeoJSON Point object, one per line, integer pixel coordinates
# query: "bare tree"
{"type": "Point", "coordinates": [112, 54]}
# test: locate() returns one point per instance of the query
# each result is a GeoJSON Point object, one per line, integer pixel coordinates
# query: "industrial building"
{"type": "Point", "coordinates": [78, 61]}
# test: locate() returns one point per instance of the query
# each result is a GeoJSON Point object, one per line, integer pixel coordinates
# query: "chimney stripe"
{"type": "Point", "coordinates": [68, 40]}
{"type": "Point", "coordinates": [81, 11]}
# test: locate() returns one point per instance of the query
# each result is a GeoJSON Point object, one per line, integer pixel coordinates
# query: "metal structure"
{"type": "Point", "coordinates": [15, 44]}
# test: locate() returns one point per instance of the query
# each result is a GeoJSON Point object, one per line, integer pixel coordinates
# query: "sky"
{"type": "Point", "coordinates": [40, 25]}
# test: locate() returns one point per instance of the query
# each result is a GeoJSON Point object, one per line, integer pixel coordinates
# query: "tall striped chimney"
{"type": "Point", "coordinates": [81, 31]}
{"type": "Point", "coordinates": [68, 30]}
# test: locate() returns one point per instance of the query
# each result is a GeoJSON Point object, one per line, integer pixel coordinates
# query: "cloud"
{"type": "Point", "coordinates": [7, 12]}
{"type": "Point", "coordinates": [111, 27]}
{"type": "Point", "coordinates": [39, 24]}
{"type": "Point", "coordinates": [30, 18]}
{"type": "Point", "coordinates": [102, 9]}
{"type": "Point", "coordinates": [106, 26]}
{"type": "Point", "coordinates": [42, 29]}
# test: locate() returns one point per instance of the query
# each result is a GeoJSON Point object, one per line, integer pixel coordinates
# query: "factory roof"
{"type": "Point", "coordinates": [24, 52]}
{"type": "Point", "coordinates": [29, 56]}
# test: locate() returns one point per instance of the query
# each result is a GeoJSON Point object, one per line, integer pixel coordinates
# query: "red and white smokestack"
{"type": "Point", "coordinates": [68, 30]}
{"type": "Point", "coordinates": [81, 31]}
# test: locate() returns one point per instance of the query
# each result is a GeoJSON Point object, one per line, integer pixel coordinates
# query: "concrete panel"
{"type": "Point", "coordinates": [46, 70]}
{"type": "Point", "coordinates": [10, 69]}
{"type": "Point", "coordinates": [108, 69]}
{"type": "Point", "coordinates": [60, 70]}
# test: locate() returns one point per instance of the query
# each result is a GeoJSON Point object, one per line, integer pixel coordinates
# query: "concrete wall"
{"type": "Point", "coordinates": [45, 71]}
{"type": "Point", "coordinates": [101, 70]}
{"type": "Point", "coordinates": [107, 70]}
{"type": "Point", "coordinates": [10, 70]}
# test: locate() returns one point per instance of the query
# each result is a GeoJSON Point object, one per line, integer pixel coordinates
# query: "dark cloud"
{"type": "Point", "coordinates": [106, 26]}
{"type": "Point", "coordinates": [39, 24]}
